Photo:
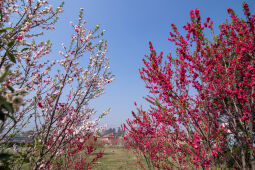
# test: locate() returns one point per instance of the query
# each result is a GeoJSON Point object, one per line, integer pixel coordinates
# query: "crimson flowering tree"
{"type": "Point", "coordinates": [52, 94]}
{"type": "Point", "coordinates": [202, 100]}
{"type": "Point", "coordinates": [154, 144]}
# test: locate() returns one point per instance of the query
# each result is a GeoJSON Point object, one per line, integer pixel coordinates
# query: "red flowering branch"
{"type": "Point", "coordinates": [202, 100]}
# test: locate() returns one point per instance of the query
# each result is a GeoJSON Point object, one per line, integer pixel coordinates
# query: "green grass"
{"type": "Point", "coordinates": [116, 158]}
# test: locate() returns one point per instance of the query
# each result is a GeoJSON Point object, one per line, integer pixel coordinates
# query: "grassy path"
{"type": "Point", "coordinates": [116, 158]}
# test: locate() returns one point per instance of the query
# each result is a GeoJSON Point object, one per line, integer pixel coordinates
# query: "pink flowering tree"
{"type": "Point", "coordinates": [51, 95]}
{"type": "Point", "coordinates": [19, 19]}
{"type": "Point", "coordinates": [202, 100]}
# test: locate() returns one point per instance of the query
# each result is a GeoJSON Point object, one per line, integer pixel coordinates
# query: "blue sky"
{"type": "Point", "coordinates": [130, 25]}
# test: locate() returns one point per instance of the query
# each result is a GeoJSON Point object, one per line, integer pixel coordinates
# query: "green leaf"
{"type": "Point", "coordinates": [3, 75]}
{"type": "Point", "coordinates": [24, 49]}
{"type": "Point", "coordinates": [8, 28]}
{"type": "Point", "coordinates": [10, 44]}
{"type": "Point", "coordinates": [5, 29]}
{"type": "Point", "coordinates": [250, 151]}
{"type": "Point", "coordinates": [1, 31]}
{"type": "Point", "coordinates": [11, 57]}
{"type": "Point", "coordinates": [97, 27]}
{"type": "Point", "coordinates": [10, 88]}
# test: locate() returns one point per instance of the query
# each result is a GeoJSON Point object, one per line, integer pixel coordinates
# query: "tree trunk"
{"type": "Point", "coordinates": [243, 159]}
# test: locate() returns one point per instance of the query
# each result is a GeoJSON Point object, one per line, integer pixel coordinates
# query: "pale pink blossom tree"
{"type": "Point", "coordinates": [58, 92]}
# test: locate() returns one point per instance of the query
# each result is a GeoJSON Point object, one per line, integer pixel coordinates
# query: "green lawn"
{"type": "Point", "coordinates": [115, 158]}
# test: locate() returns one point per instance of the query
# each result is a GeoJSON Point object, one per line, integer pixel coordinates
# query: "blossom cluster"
{"type": "Point", "coordinates": [202, 100]}
{"type": "Point", "coordinates": [59, 91]}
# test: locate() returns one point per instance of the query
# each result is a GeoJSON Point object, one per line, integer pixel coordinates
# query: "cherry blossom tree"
{"type": "Point", "coordinates": [52, 95]}
{"type": "Point", "coordinates": [202, 100]}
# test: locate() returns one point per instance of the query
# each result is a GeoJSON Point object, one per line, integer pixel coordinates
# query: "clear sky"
{"type": "Point", "coordinates": [130, 25]}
